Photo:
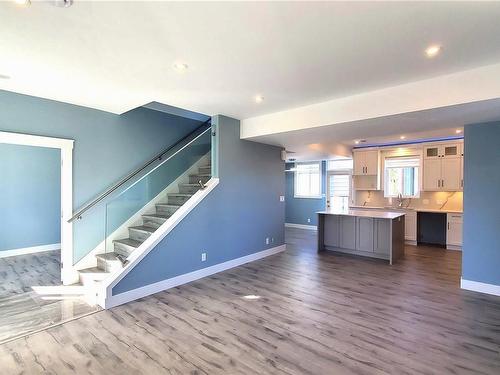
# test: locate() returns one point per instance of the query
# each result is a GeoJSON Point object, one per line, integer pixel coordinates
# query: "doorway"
{"type": "Point", "coordinates": [339, 184]}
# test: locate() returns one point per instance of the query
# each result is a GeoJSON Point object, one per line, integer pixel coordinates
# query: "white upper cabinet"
{"type": "Point", "coordinates": [432, 175]}
{"type": "Point", "coordinates": [443, 167]}
{"type": "Point", "coordinates": [451, 174]}
{"type": "Point", "coordinates": [366, 162]}
{"type": "Point", "coordinates": [442, 150]}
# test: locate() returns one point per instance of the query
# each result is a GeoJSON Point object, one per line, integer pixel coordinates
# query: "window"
{"type": "Point", "coordinates": [308, 180]}
{"type": "Point", "coordinates": [340, 165]}
{"type": "Point", "coordinates": [401, 177]}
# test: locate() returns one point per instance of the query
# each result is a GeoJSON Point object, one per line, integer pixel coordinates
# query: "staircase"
{"type": "Point", "coordinates": [109, 262]}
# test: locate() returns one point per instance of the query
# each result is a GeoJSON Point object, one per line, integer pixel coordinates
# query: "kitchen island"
{"type": "Point", "coordinates": [375, 234]}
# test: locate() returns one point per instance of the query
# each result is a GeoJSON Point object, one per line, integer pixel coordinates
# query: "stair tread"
{"type": "Point", "coordinates": [157, 216]}
{"type": "Point", "coordinates": [92, 270]}
{"type": "Point", "coordinates": [108, 256]}
{"type": "Point", "coordinates": [179, 195]}
{"type": "Point", "coordinates": [144, 228]}
{"type": "Point", "coordinates": [129, 242]}
{"type": "Point", "coordinates": [168, 204]}
{"type": "Point", "coordinates": [201, 174]}
{"type": "Point", "coordinates": [188, 184]}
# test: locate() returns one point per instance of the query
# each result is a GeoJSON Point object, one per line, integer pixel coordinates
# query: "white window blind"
{"type": "Point", "coordinates": [308, 180]}
{"type": "Point", "coordinates": [401, 177]}
{"type": "Point", "coordinates": [339, 185]}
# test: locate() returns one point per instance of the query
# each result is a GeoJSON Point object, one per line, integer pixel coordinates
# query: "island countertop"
{"type": "Point", "coordinates": [376, 214]}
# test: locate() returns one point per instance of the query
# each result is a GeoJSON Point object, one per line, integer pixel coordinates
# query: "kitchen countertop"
{"type": "Point", "coordinates": [388, 214]}
{"type": "Point", "coordinates": [444, 210]}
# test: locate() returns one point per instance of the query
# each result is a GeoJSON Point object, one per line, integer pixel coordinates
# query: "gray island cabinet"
{"type": "Point", "coordinates": [375, 234]}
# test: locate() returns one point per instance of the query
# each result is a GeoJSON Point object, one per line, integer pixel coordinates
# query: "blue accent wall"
{"type": "Point", "coordinates": [298, 210]}
{"type": "Point", "coordinates": [107, 147]}
{"type": "Point", "coordinates": [30, 191]}
{"type": "Point", "coordinates": [231, 222]}
{"type": "Point", "coordinates": [481, 231]}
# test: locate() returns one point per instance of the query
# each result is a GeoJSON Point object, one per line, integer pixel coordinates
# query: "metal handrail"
{"type": "Point", "coordinates": [206, 126]}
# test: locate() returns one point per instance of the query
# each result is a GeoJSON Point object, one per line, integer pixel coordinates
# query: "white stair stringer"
{"type": "Point", "coordinates": [110, 279]}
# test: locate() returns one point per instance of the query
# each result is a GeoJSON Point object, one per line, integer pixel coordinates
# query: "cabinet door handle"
{"type": "Point", "coordinates": [448, 225]}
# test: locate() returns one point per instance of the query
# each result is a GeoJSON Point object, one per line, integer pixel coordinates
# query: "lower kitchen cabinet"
{"type": "Point", "coordinates": [454, 230]}
{"type": "Point", "coordinates": [411, 226]}
{"type": "Point", "coordinates": [382, 236]}
{"type": "Point", "coordinates": [364, 240]}
{"type": "Point", "coordinates": [348, 232]}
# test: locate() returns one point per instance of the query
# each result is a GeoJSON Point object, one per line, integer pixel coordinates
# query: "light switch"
{"type": "Point", "coordinates": [282, 198]}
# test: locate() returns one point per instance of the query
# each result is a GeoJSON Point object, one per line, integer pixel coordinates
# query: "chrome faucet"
{"type": "Point", "coordinates": [400, 200]}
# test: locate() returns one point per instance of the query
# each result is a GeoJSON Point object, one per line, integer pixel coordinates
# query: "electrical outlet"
{"type": "Point", "coordinates": [425, 201]}
{"type": "Point", "coordinates": [439, 201]}
{"type": "Point", "coordinates": [282, 198]}
{"type": "Point", "coordinates": [309, 220]}
{"type": "Point", "coordinates": [272, 239]}
{"type": "Point", "coordinates": [203, 257]}
{"type": "Point", "coordinates": [267, 240]}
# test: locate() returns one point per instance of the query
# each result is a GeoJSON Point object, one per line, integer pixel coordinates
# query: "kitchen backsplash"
{"type": "Point", "coordinates": [429, 200]}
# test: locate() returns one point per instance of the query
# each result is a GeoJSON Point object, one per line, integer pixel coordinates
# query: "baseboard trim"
{"type": "Point", "coordinates": [131, 295]}
{"type": "Point", "coordinates": [477, 286]}
{"type": "Point", "coordinates": [30, 250]}
{"type": "Point", "coordinates": [301, 226]}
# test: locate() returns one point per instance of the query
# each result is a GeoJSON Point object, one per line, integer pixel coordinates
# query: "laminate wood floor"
{"type": "Point", "coordinates": [19, 273]}
{"type": "Point", "coordinates": [317, 314]}
{"type": "Point", "coordinates": [22, 310]}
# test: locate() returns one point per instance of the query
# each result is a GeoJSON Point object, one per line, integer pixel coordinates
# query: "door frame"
{"type": "Point", "coordinates": [68, 273]}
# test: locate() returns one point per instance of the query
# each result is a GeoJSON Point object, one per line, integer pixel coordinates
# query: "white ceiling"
{"type": "Point", "coordinates": [116, 56]}
{"type": "Point", "coordinates": [326, 141]}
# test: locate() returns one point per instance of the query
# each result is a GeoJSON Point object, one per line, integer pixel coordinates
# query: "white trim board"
{"type": "Point", "coordinates": [301, 226]}
{"type": "Point", "coordinates": [68, 273]}
{"type": "Point", "coordinates": [477, 286]}
{"type": "Point", "coordinates": [29, 250]}
{"type": "Point", "coordinates": [147, 290]}
{"type": "Point", "coordinates": [106, 287]}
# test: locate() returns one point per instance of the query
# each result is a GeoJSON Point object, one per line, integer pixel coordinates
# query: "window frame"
{"type": "Point", "coordinates": [418, 178]}
{"type": "Point", "coordinates": [320, 177]}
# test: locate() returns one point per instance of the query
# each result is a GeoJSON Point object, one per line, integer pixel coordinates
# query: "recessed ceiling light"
{"type": "Point", "coordinates": [458, 131]}
{"type": "Point", "coordinates": [403, 137]}
{"type": "Point", "coordinates": [432, 51]}
{"type": "Point", "coordinates": [4, 76]}
{"type": "Point", "coordinates": [181, 67]}
{"type": "Point", "coordinates": [357, 142]}
{"type": "Point", "coordinates": [259, 98]}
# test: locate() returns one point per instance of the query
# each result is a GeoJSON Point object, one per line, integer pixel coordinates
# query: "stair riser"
{"type": "Point", "coordinates": [205, 170]}
{"type": "Point", "coordinates": [138, 235]}
{"type": "Point", "coordinates": [109, 265]}
{"type": "Point", "coordinates": [177, 200]}
{"type": "Point", "coordinates": [152, 222]}
{"type": "Point", "coordinates": [195, 179]}
{"type": "Point", "coordinates": [188, 189]}
{"type": "Point", "coordinates": [166, 210]}
{"type": "Point", "coordinates": [123, 250]}
{"type": "Point", "coordinates": [89, 279]}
